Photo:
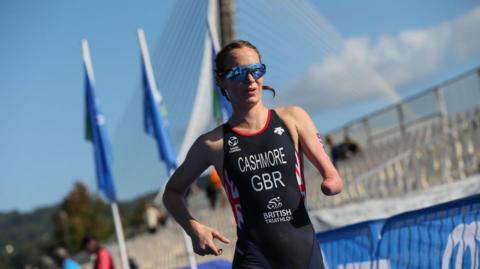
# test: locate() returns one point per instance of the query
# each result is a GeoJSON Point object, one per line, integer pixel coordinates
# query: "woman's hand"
{"type": "Point", "coordinates": [202, 239]}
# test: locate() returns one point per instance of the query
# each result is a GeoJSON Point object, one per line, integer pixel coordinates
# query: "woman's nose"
{"type": "Point", "coordinates": [250, 78]}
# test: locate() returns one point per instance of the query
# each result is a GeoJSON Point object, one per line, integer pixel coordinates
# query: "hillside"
{"type": "Point", "coordinates": [31, 233]}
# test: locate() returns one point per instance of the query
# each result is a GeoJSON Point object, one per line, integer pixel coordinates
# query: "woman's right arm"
{"type": "Point", "coordinates": [198, 159]}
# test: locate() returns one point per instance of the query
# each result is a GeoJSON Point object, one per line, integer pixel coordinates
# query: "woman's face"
{"type": "Point", "coordinates": [247, 92]}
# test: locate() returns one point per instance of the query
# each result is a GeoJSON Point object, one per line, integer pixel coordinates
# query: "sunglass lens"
{"type": "Point", "coordinates": [258, 72]}
{"type": "Point", "coordinates": [233, 74]}
{"type": "Point", "coordinates": [240, 73]}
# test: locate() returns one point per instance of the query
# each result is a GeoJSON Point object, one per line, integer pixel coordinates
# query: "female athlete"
{"type": "Point", "coordinates": [259, 153]}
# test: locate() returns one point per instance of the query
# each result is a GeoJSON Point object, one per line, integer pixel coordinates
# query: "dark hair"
{"type": "Point", "coordinates": [86, 239]}
{"type": "Point", "coordinates": [225, 51]}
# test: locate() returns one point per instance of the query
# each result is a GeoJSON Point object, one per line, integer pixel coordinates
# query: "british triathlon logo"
{"type": "Point", "coordinates": [279, 130]}
{"type": "Point", "coordinates": [233, 144]}
{"type": "Point", "coordinates": [274, 203]}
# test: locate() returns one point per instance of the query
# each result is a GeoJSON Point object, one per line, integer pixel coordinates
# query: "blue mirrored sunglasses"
{"type": "Point", "coordinates": [240, 73]}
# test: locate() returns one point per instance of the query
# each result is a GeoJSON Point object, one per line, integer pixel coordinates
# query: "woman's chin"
{"type": "Point", "coordinates": [252, 100]}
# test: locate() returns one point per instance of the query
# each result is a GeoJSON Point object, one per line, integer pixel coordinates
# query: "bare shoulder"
{"type": "Point", "coordinates": [207, 149]}
{"type": "Point", "coordinates": [214, 139]}
{"type": "Point", "coordinates": [292, 114]}
{"type": "Point", "coordinates": [213, 147]}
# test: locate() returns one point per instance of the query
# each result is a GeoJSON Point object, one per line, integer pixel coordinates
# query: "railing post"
{"type": "Point", "coordinates": [478, 77]}
{"type": "Point", "coordinates": [346, 132]}
{"type": "Point", "coordinates": [441, 105]}
{"type": "Point", "coordinates": [401, 119]}
{"type": "Point", "coordinates": [442, 108]}
{"type": "Point", "coordinates": [368, 134]}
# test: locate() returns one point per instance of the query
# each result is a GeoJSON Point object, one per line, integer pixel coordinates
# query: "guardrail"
{"type": "Point", "coordinates": [439, 152]}
{"type": "Point", "coordinates": [441, 101]}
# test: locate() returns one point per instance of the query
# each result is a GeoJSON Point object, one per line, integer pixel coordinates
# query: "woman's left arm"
{"type": "Point", "coordinates": [312, 145]}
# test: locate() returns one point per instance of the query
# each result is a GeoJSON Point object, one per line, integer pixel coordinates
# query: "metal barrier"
{"type": "Point", "coordinates": [444, 100]}
{"type": "Point", "coordinates": [438, 152]}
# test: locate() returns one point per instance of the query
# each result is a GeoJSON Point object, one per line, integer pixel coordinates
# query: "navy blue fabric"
{"type": "Point", "coordinates": [274, 228]}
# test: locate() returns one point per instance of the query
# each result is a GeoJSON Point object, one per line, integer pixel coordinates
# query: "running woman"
{"type": "Point", "coordinates": [259, 153]}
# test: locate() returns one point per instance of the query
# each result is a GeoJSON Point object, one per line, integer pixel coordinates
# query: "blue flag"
{"type": "Point", "coordinates": [155, 114]}
{"type": "Point", "coordinates": [96, 132]}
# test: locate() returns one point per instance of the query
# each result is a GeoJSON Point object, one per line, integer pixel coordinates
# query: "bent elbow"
{"type": "Point", "coordinates": [166, 196]}
{"type": "Point", "coordinates": [171, 196]}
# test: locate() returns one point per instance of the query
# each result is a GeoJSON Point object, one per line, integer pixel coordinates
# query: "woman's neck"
{"type": "Point", "coordinates": [250, 118]}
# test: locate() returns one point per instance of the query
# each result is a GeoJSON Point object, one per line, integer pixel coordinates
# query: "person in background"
{"type": "Point", "coordinates": [151, 218]}
{"type": "Point", "coordinates": [132, 263]}
{"type": "Point", "coordinates": [63, 259]}
{"type": "Point", "coordinates": [103, 258]}
{"type": "Point", "coordinates": [214, 189]}
{"type": "Point", "coordinates": [350, 147]}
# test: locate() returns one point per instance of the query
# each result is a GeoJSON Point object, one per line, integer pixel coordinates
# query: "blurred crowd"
{"type": "Point", "coordinates": [97, 257]}
{"type": "Point", "coordinates": [341, 151]}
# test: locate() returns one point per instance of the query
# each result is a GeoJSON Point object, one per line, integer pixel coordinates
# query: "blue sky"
{"type": "Point", "coordinates": [42, 151]}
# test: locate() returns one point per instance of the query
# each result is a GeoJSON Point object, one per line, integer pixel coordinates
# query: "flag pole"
{"type": "Point", "coordinates": [96, 121]}
{"type": "Point", "coordinates": [155, 94]}
{"type": "Point", "coordinates": [121, 239]}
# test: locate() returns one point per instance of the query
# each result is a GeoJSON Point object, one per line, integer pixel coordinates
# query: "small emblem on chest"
{"type": "Point", "coordinates": [279, 130]}
{"type": "Point", "coordinates": [274, 203]}
{"type": "Point", "coordinates": [233, 144]}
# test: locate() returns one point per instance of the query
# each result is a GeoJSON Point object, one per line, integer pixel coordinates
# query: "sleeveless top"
{"type": "Point", "coordinates": [263, 178]}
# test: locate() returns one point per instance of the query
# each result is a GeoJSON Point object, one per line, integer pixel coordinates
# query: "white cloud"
{"type": "Point", "coordinates": [366, 69]}
{"type": "Point", "coordinates": [466, 33]}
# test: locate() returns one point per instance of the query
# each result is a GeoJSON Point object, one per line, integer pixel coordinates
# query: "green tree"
{"type": "Point", "coordinates": [80, 214]}
{"type": "Point", "coordinates": [135, 222]}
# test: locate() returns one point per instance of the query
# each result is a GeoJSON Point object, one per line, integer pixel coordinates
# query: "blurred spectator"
{"type": "Point", "coordinates": [350, 147]}
{"type": "Point", "coordinates": [343, 151]}
{"type": "Point", "coordinates": [214, 188]}
{"type": "Point", "coordinates": [132, 263]}
{"type": "Point", "coordinates": [163, 217]}
{"type": "Point", "coordinates": [63, 260]}
{"type": "Point", "coordinates": [151, 218]}
{"type": "Point", "coordinates": [103, 258]}
{"type": "Point", "coordinates": [336, 151]}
